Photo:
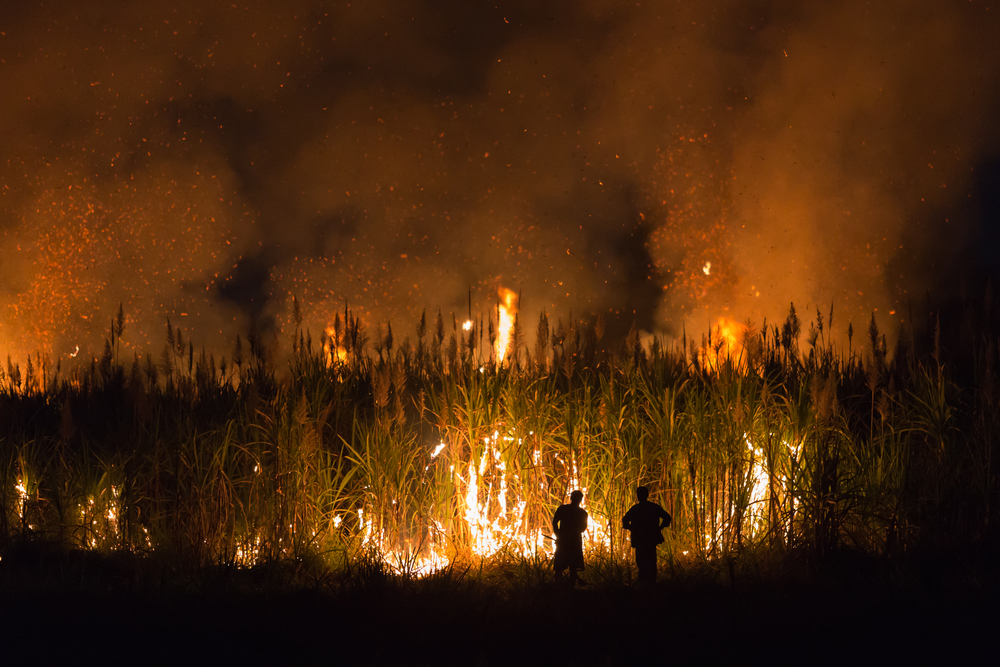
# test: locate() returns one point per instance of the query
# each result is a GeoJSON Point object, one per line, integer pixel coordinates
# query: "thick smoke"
{"type": "Point", "coordinates": [661, 162]}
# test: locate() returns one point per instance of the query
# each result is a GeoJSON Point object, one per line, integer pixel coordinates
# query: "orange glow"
{"type": "Point", "coordinates": [723, 343]}
{"type": "Point", "coordinates": [341, 351]}
{"type": "Point", "coordinates": [506, 311]}
{"type": "Point", "coordinates": [492, 510]}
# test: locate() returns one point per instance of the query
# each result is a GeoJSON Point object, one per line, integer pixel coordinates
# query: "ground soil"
{"type": "Point", "coordinates": [82, 608]}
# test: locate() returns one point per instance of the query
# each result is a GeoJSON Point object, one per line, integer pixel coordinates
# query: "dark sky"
{"type": "Point", "coordinates": [663, 162]}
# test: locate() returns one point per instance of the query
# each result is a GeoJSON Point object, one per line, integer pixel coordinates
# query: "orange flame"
{"type": "Point", "coordinates": [724, 343]}
{"type": "Point", "coordinates": [492, 514]}
{"type": "Point", "coordinates": [507, 309]}
{"type": "Point", "coordinates": [341, 355]}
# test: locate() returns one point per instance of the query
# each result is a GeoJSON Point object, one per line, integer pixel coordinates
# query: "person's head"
{"type": "Point", "coordinates": [642, 493]}
{"type": "Point", "coordinates": [576, 497]}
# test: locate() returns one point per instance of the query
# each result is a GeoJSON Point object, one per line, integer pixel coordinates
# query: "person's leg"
{"type": "Point", "coordinates": [559, 563]}
{"type": "Point", "coordinates": [578, 566]}
{"type": "Point", "coordinates": [645, 563]}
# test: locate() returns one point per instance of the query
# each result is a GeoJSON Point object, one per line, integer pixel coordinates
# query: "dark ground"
{"type": "Point", "coordinates": [82, 608]}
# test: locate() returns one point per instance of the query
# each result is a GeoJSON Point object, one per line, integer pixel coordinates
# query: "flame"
{"type": "Point", "coordinates": [492, 512]}
{"type": "Point", "coordinates": [341, 355]}
{"type": "Point", "coordinates": [507, 309]}
{"type": "Point", "coordinates": [100, 521]}
{"type": "Point", "coordinates": [724, 343]}
{"type": "Point", "coordinates": [22, 496]}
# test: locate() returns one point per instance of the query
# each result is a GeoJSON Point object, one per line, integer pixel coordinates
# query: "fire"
{"type": "Point", "coordinates": [492, 511]}
{"type": "Point", "coordinates": [723, 343]}
{"type": "Point", "coordinates": [507, 309]}
{"type": "Point", "coordinates": [760, 487]}
{"type": "Point", "coordinates": [22, 496]}
{"type": "Point", "coordinates": [341, 355]}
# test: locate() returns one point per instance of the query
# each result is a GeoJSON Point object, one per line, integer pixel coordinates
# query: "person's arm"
{"type": "Point", "coordinates": [665, 518]}
{"type": "Point", "coordinates": [627, 521]}
{"type": "Point", "coordinates": [555, 523]}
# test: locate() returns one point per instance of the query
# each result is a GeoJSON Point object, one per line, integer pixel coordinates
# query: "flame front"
{"type": "Point", "coordinates": [492, 512]}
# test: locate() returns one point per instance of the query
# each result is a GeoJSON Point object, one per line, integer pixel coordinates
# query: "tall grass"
{"type": "Point", "coordinates": [424, 455]}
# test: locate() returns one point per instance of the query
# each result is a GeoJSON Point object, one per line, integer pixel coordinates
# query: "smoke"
{"type": "Point", "coordinates": [663, 162]}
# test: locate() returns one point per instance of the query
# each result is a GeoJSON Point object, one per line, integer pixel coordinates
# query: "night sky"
{"type": "Point", "coordinates": [661, 162]}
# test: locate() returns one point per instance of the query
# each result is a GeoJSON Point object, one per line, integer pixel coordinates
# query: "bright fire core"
{"type": "Point", "coordinates": [506, 312]}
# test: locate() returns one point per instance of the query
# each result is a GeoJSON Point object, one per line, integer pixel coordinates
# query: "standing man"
{"type": "Point", "coordinates": [645, 520]}
{"type": "Point", "coordinates": [568, 523]}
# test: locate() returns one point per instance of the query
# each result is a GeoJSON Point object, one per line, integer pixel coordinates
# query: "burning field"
{"type": "Point", "coordinates": [365, 290]}
{"type": "Point", "coordinates": [456, 449]}
{"type": "Point", "coordinates": [370, 488]}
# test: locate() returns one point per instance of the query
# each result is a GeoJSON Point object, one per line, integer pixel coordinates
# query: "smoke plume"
{"type": "Point", "coordinates": [664, 163]}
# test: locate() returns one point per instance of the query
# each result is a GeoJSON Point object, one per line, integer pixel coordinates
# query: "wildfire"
{"type": "Point", "coordinates": [492, 513]}
{"type": "Point", "coordinates": [506, 309]}
{"type": "Point", "coordinates": [723, 343]}
{"type": "Point", "coordinates": [341, 355]}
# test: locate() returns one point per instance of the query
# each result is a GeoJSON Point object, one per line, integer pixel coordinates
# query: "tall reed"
{"type": "Point", "coordinates": [440, 454]}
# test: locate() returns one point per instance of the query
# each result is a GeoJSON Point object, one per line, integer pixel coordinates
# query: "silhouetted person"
{"type": "Point", "coordinates": [645, 520]}
{"type": "Point", "coordinates": [568, 523]}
